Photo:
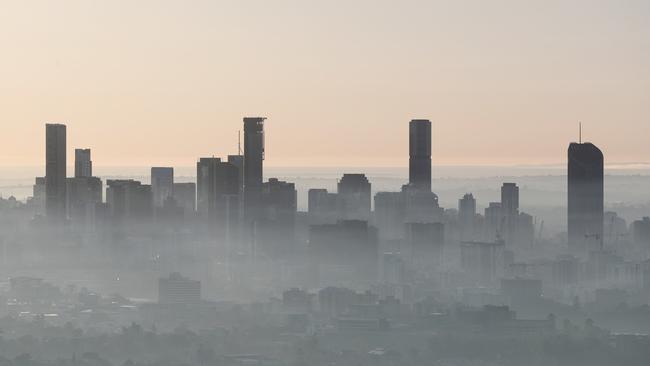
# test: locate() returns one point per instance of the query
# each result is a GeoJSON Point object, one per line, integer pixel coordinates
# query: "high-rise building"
{"type": "Point", "coordinates": [585, 198]}
{"type": "Point", "coordinates": [204, 177]}
{"type": "Point", "coordinates": [421, 205]}
{"type": "Point", "coordinates": [354, 197]}
{"type": "Point", "coordinates": [390, 215]}
{"type": "Point", "coordinates": [276, 224]}
{"type": "Point", "coordinates": [351, 243]}
{"type": "Point", "coordinates": [238, 161]}
{"type": "Point", "coordinates": [510, 198]}
{"type": "Point", "coordinates": [83, 165]}
{"type": "Point", "coordinates": [185, 197]}
{"type": "Point", "coordinates": [215, 179]}
{"type": "Point", "coordinates": [128, 199]}
{"type": "Point", "coordinates": [321, 206]}
{"type": "Point", "coordinates": [509, 212]}
{"type": "Point", "coordinates": [467, 209]}
{"type": "Point", "coordinates": [482, 262]}
{"type": "Point", "coordinates": [55, 171]}
{"type": "Point", "coordinates": [83, 196]}
{"type": "Point", "coordinates": [253, 165]}
{"type": "Point", "coordinates": [420, 154]}
{"type": "Point", "coordinates": [641, 233]}
{"type": "Point", "coordinates": [493, 221]}
{"type": "Point", "coordinates": [38, 196]}
{"type": "Point", "coordinates": [219, 199]}
{"type": "Point", "coordinates": [425, 243]}
{"type": "Point", "coordinates": [279, 198]}
{"type": "Point", "coordinates": [162, 185]}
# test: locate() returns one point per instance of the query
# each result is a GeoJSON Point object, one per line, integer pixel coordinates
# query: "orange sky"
{"type": "Point", "coordinates": [164, 82]}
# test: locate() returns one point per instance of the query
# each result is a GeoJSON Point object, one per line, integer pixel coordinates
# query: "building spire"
{"type": "Point", "coordinates": [580, 132]}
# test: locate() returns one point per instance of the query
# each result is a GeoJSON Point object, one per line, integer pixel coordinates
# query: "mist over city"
{"type": "Point", "coordinates": [307, 183]}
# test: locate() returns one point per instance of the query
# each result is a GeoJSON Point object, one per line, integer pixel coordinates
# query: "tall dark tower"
{"type": "Point", "coordinates": [585, 198]}
{"type": "Point", "coordinates": [420, 154]}
{"type": "Point", "coordinates": [253, 165]}
{"type": "Point", "coordinates": [55, 171]}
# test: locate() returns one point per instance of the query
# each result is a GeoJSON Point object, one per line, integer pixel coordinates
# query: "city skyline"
{"type": "Point", "coordinates": [131, 92]}
{"type": "Point", "coordinates": [286, 182]}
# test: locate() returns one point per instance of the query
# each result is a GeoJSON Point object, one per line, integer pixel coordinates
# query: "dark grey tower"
{"type": "Point", "coordinates": [83, 165]}
{"type": "Point", "coordinates": [253, 160]}
{"type": "Point", "coordinates": [585, 198]}
{"type": "Point", "coordinates": [420, 154]}
{"type": "Point", "coordinates": [55, 171]}
{"type": "Point", "coordinates": [510, 212]}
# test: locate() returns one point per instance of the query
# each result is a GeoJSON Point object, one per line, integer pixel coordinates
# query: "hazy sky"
{"type": "Point", "coordinates": [164, 82]}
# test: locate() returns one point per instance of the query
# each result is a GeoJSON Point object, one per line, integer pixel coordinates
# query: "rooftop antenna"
{"type": "Point", "coordinates": [580, 132]}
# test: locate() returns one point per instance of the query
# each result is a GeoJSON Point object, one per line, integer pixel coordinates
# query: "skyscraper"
{"type": "Point", "coordinates": [162, 185]}
{"type": "Point", "coordinates": [185, 197]}
{"type": "Point", "coordinates": [215, 180]}
{"type": "Point", "coordinates": [510, 198]}
{"type": "Point", "coordinates": [467, 216]}
{"type": "Point", "coordinates": [420, 154]}
{"type": "Point", "coordinates": [354, 197]}
{"type": "Point", "coordinates": [321, 205]}
{"type": "Point", "coordinates": [389, 215]}
{"type": "Point", "coordinates": [238, 161]}
{"type": "Point", "coordinates": [585, 197]}
{"type": "Point", "coordinates": [83, 165]}
{"type": "Point", "coordinates": [128, 200]}
{"type": "Point", "coordinates": [55, 171]}
{"type": "Point", "coordinates": [467, 209]}
{"type": "Point", "coordinates": [203, 178]}
{"type": "Point", "coordinates": [253, 165]}
{"type": "Point", "coordinates": [277, 219]}
{"type": "Point", "coordinates": [509, 212]}
{"type": "Point", "coordinates": [425, 243]}
{"type": "Point", "coordinates": [83, 196]}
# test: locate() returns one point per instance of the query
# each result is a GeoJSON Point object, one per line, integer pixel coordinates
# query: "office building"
{"type": "Point", "coordinates": [128, 199]}
{"type": "Point", "coordinates": [493, 221]}
{"type": "Point", "coordinates": [84, 194]}
{"type": "Point", "coordinates": [204, 182]}
{"type": "Point", "coordinates": [641, 234]}
{"type": "Point", "coordinates": [219, 200]}
{"type": "Point", "coordinates": [276, 222]}
{"type": "Point", "coordinates": [162, 185]}
{"type": "Point", "coordinates": [420, 154]}
{"type": "Point", "coordinates": [83, 165]}
{"type": "Point", "coordinates": [467, 209]}
{"type": "Point", "coordinates": [253, 165]}
{"type": "Point", "coordinates": [321, 206]}
{"type": "Point", "coordinates": [482, 262]}
{"type": "Point", "coordinates": [215, 179]}
{"type": "Point", "coordinates": [510, 198]}
{"type": "Point", "coordinates": [421, 205]}
{"type": "Point", "coordinates": [425, 243]}
{"type": "Point", "coordinates": [354, 197]}
{"type": "Point", "coordinates": [389, 215]}
{"type": "Point", "coordinates": [185, 197]}
{"type": "Point", "coordinates": [238, 161]}
{"type": "Point", "coordinates": [55, 171]}
{"type": "Point", "coordinates": [585, 198]}
{"type": "Point", "coordinates": [509, 213]}
{"type": "Point", "coordinates": [38, 196]}
{"type": "Point", "coordinates": [348, 245]}
{"type": "Point", "coordinates": [524, 235]}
